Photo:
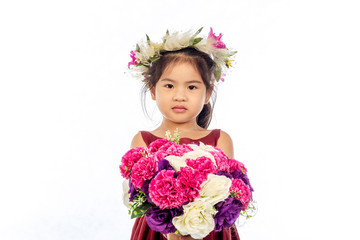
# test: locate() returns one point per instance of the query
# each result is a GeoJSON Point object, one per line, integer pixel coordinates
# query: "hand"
{"type": "Point", "coordinates": [173, 236]}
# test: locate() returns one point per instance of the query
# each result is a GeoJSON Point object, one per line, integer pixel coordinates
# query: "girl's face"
{"type": "Point", "coordinates": [180, 93]}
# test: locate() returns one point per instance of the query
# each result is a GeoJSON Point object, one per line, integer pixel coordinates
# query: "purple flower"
{"type": "Point", "coordinates": [222, 173]}
{"type": "Point", "coordinates": [161, 220]}
{"type": "Point", "coordinates": [228, 212]}
{"type": "Point", "coordinates": [132, 191]}
{"type": "Point", "coordinates": [164, 164]}
{"type": "Point", "coordinates": [238, 174]}
{"type": "Point", "coordinates": [145, 189]}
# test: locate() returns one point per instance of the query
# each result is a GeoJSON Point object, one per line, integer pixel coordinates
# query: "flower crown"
{"type": "Point", "coordinates": [149, 52]}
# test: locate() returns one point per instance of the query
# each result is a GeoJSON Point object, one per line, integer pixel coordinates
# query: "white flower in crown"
{"type": "Point", "coordinates": [177, 40]}
{"type": "Point", "coordinates": [149, 52]}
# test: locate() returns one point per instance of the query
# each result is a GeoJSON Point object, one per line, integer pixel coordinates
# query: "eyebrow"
{"type": "Point", "coordinates": [191, 81]}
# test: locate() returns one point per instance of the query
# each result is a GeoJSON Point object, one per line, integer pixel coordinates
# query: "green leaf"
{"type": "Point", "coordinates": [217, 75]}
{"type": "Point", "coordinates": [140, 64]}
{"type": "Point", "coordinates": [147, 39]}
{"type": "Point", "coordinates": [198, 31]}
{"type": "Point", "coordinates": [137, 48]}
{"type": "Point", "coordinates": [166, 35]}
{"type": "Point", "coordinates": [154, 58]}
{"type": "Point", "coordinates": [141, 210]}
{"type": "Point", "coordinates": [196, 41]}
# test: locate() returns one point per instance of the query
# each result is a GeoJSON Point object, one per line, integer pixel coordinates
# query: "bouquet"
{"type": "Point", "coordinates": [188, 189]}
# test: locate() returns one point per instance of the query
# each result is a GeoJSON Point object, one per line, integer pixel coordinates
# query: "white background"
{"type": "Point", "coordinates": [68, 112]}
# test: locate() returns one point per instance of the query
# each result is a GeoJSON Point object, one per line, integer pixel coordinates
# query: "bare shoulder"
{"type": "Point", "coordinates": [138, 141]}
{"type": "Point", "coordinates": [225, 143]}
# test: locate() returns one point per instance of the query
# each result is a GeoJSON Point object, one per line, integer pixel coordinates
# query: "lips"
{"type": "Point", "coordinates": [179, 109]}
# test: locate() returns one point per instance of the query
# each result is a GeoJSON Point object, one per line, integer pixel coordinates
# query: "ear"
{"type": "Point", "coordinates": [152, 92]}
{"type": "Point", "coordinates": [208, 94]}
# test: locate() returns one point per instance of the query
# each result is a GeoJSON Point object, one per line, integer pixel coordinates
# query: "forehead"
{"type": "Point", "coordinates": [181, 71]}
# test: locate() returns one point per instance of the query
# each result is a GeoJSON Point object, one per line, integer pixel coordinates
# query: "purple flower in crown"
{"type": "Point", "coordinates": [134, 60]}
{"type": "Point", "coordinates": [217, 39]}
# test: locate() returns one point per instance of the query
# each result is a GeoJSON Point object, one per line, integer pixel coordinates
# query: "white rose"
{"type": "Point", "coordinates": [126, 194]}
{"type": "Point", "coordinates": [215, 189]}
{"type": "Point", "coordinates": [197, 220]}
{"type": "Point", "coordinates": [199, 153]}
{"type": "Point", "coordinates": [176, 162]}
{"type": "Point", "coordinates": [202, 146]}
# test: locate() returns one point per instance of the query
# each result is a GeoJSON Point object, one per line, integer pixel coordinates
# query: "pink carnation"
{"type": "Point", "coordinates": [162, 150]}
{"type": "Point", "coordinates": [164, 190]}
{"type": "Point", "coordinates": [236, 165]}
{"type": "Point", "coordinates": [171, 148]}
{"type": "Point", "coordinates": [143, 170]}
{"type": "Point", "coordinates": [222, 161]}
{"type": "Point", "coordinates": [189, 181]}
{"type": "Point", "coordinates": [241, 191]}
{"type": "Point", "coordinates": [155, 145]}
{"type": "Point", "coordinates": [129, 159]}
{"type": "Point", "coordinates": [203, 164]}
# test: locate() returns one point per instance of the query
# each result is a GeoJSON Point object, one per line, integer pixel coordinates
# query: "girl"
{"type": "Point", "coordinates": [180, 76]}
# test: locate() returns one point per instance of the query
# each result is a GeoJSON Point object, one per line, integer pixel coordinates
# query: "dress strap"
{"type": "Point", "coordinates": [148, 137]}
{"type": "Point", "coordinates": [210, 139]}
{"type": "Point", "coordinates": [216, 136]}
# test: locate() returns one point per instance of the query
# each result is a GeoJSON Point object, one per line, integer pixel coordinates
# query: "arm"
{"type": "Point", "coordinates": [225, 144]}
{"type": "Point", "coordinates": [138, 141]}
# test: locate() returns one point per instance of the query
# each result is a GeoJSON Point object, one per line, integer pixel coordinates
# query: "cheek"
{"type": "Point", "coordinates": [162, 97]}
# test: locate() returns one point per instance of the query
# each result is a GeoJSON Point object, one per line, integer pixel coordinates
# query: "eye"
{"type": "Point", "coordinates": [169, 85]}
{"type": "Point", "coordinates": [192, 87]}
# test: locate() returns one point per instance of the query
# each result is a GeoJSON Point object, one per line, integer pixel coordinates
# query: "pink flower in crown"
{"type": "Point", "coordinates": [143, 170]}
{"type": "Point", "coordinates": [163, 190]}
{"type": "Point", "coordinates": [129, 159]}
{"type": "Point", "coordinates": [217, 43]}
{"type": "Point", "coordinates": [203, 164]}
{"type": "Point", "coordinates": [241, 191]}
{"type": "Point", "coordinates": [222, 161]}
{"type": "Point", "coordinates": [134, 60]}
{"type": "Point", "coordinates": [189, 182]}
{"type": "Point", "coordinates": [236, 165]}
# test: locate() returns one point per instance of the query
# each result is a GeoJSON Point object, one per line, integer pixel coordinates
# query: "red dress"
{"type": "Point", "coordinates": [141, 231]}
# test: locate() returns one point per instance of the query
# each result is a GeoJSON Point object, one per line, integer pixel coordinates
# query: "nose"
{"type": "Point", "coordinates": [179, 95]}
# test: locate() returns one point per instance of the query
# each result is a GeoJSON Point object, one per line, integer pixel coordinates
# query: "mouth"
{"type": "Point", "coordinates": [179, 109]}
